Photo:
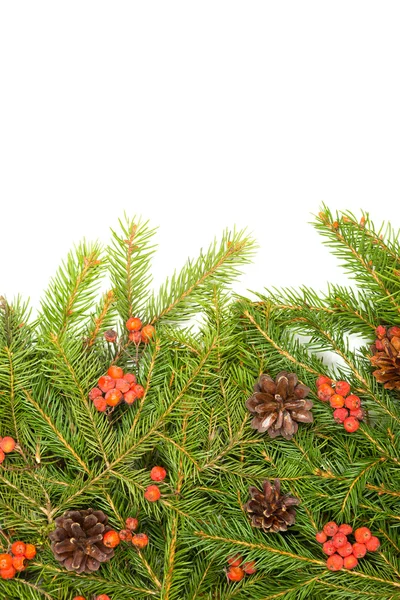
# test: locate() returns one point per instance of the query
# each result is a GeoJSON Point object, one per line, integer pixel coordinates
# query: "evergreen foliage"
{"type": "Point", "coordinates": [192, 420]}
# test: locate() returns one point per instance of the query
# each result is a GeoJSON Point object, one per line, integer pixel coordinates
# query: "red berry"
{"type": "Point", "coordinates": [115, 372]}
{"type": "Point", "coordinates": [152, 493]}
{"type": "Point", "coordinates": [135, 337]}
{"type": "Point", "coordinates": [340, 414]}
{"type": "Point", "coordinates": [358, 414]}
{"type": "Point", "coordinates": [111, 539]}
{"type": "Point", "coordinates": [372, 544]}
{"type": "Point", "coordinates": [359, 550]}
{"type": "Point", "coordinates": [346, 550]}
{"type": "Point", "coordinates": [235, 561]}
{"type": "Point", "coordinates": [5, 561]}
{"type": "Point", "coordinates": [379, 345]}
{"type": "Point", "coordinates": [346, 529]}
{"type": "Point", "coordinates": [147, 333]}
{"type": "Point", "coordinates": [330, 528]}
{"type": "Point", "coordinates": [110, 335]}
{"type": "Point", "coordinates": [328, 548]}
{"type": "Point", "coordinates": [122, 385]}
{"type": "Point", "coordinates": [95, 393]}
{"type": "Point", "coordinates": [323, 379]}
{"type": "Point", "coordinates": [352, 402]}
{"type": "Point", "coordinates": [342, 388]}
{"type": "Point", "coordinates": [79, 598]}
{"type": "Point", "coordinates": [103, 597]}
{"type": "Point", "coordinates": [158, 474]}
{"type": "Point", "coordinates": [113, 397]}
{"type": "Point", "coordinates": [132, 523]}
{"type": "Point", "coordinates": [125, 535]}
{"type": "Point", "coordinates": [30, 551]}
{"type": "Point", "coordinates": [336, 401]}
{"type": "Point", "coordinates": [351, 424]}
{"type": "Point", "coordinates": [324, 392]}
{"type": "Point", "coordinates": [321, 537]}
{"type": "Point", "coordinates": [7, 444]}
{"type": "Point", "coordinates": [140, 540]}
{"type": "Point", "coordinates": [7, 573]}
{"type": "Point", "coordinates": [393, 332]}
{"type": "Point", "coordinates": [2, 456]}
{"type": "Point", "coordinates": [18, 548]}
{"type": "Point", "coordinates": [106, 383]}
{"type": "Point", "coordinates": [350, 562]}
{"type": "Point", "coordinates": [334, 562]}
{"type": "Point", "coordinates": [100, 403]}
{"type": "Point", "coordinates": [130, 397]}
{"type": "Point", "coordinates": [380, 331]}
{"type": "Point", "coordinates": [138, 390]}
{"type": "Point", "coordinates": [235, 574]}
{"type": "Point", "coordinates": [339, 540]}
{"type": "Point", "coordinates": [18, 563]}
{"type": "Point", "coordinates": [133, 324]}
{"type": "Point", "coordinates": [362, 535]}
{"type": "Point", "coordinates": [129, 377]}
{"type": "Point", "coordinates": [249, 567]}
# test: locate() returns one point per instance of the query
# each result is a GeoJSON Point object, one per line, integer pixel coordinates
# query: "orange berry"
{"type": "Point", "coordinates": [125, 535]}
{"type": "Point", "coordinates": [95, 393]}
{"type": "Point", "coordinates": [328, 548]}
{"type": "Point", "coordinates": [140, 540]}
{"type": "Point", "coordinates": [346, 529]}
{"type": "Point", "coordinates": [8, 573]}
{"type": "Point", "coordinates": [334, 562]}
{"type": "Point", "coordinates": [79, 598]}
{"type": "Point", "coordinates": [358, 413]}
{"type": "Point", "coordinates": [359, 550]}
{"type": "Point", "coordinates": [113, 397]}
{"type": "Point", "coordinates": [339, 540]}
{"type": "Point", "coordinates": [158, 474]}
{"type": "Point", "coordinates": [7, 444]}
{"type": "Point", "coordinates": [336, 401]}
{"type": "Point", "coordinates": [132, 523]}
{"type": "Point", "coordinates": [147, 333]}
{"type": "Point", "coordinates": [129, 377]}
{"type": "Point", "coordinates": [330, 528]}
{"type": "Point", "coordinates": [106, 383]}
{"type": "Point", "coordinates": [135, 337]}
{"type": "Point", "coordinates": [115, 372]}
{"type": "Point", "coordinates": [362, 535]}
{"type": "Point", "coordinates": [5, 561]}
{"type": "Point", "coordinates": [324, 392]}
{"type": "Point", "coordinates": [18, 563]}
{"type": "Point", "coordinates": [103, 597]}
{"type": "Point", "coordinates": [352, 402]}
{"type": "Point", "coordinates": [235, 574]}
{"type": "Point", "coordinates": [372, 544]}
{"type": "Point", "coordinates": [345, 550]}
{"type": "Point", "coordinates": [249, 567]}
{"type": "Point", "coordinates": [100, 403]}
{"type": "Point", "coordinates": [130, 397]}
{"type": "Point", "coordinates": [323, 379]}
{"type": "Point", "coordinates": [111, 539]}
{"type": "Point", "coordinates": [351, 424]}
{"type": "Point", "coordinates": [235, 561]}
{"type": "Point", "coordinates": [122, 385]}
{"type": "Point", "coordinates": [133, 324]}
{"type": "Point", "coordinates": [2, 456]}
{"type": "Point", "coordinates": [18, 548]}
{"type": "Point", "coordinates": [110, 335]}
{"type": "Point", "coordinates": [152, 493]}
{"type": "Point", "coordinates": [340, 414]}
{"type": "Point", "coordinates": [138, 390]}
{"type": "Point", "coordinates": [321, 537]}
{"type": "Point", "coordinates": [350, 562]}
{"type": "Point", "coordinates": [342, 388]}
{"type": "Point", "coordinates": [30, 551]}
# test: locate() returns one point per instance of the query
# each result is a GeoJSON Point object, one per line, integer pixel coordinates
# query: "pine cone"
{"type": "Point", "coordinates": [386, 357]}
{"type": "Point", "coordinates": [77, 541]}
{"type": "Point", "coordinates": [269, 510]}
{"type": "Point", "coordinates": [279, 405]}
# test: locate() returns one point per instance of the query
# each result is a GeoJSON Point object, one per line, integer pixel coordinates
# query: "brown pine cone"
{"type": "Point", "coordinates": [386, 357]}
{"type": "Point", "coordinates": [278, 406]}
{"type": "Point", "coordinates": [269, 510]}
{"type": "Point", "coordinates": [77, 541]}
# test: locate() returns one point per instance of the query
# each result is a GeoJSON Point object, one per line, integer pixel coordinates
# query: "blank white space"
{"type": "Point", "coordinates": [197, 115]}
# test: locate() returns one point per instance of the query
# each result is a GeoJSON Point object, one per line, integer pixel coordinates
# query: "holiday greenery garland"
{"type": "Point", "coordinates": [156, 485]}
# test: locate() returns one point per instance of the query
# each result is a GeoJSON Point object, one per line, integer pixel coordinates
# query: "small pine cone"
{"type": "Point", "coordinates": [386, 357]}
{"type": "Point", "coordinates": [278, 406]}
{"type": "Point", "coordinates": [77, 541]}
{"type": "Point", "coordinates": [270, 510]}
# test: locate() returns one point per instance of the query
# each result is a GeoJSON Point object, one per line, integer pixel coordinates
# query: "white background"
{"type": "Point", "coordinates": [197, 115]}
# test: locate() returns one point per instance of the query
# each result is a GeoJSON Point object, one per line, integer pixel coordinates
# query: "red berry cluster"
{"type": "Point", "coordinates": [238, 569]}
{"type": "Point", "coordinates": [347, 406]}
{"type": "Point", "coordinates": [139, 332]}
{"type": "Point", "coordinates": [114, 388]}
{"type": "Point", "coordinates": [341, 552]}
{"type": "Point", "coordinates": [152, 492]}
{"type": "Point", "coordinates": [139, 540]}
{"type": "Point", "coordinates": [7, 444]}
{"type": "Point", "coordinates": [15, 560]}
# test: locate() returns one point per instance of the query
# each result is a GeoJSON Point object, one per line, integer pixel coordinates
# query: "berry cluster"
{"type": "Point", "coordinates": [101, 597]}
{"type": "Point", "coordinates": [7, 445]}
{"type": "Point", "coordinates": [15, 560]}
{"type": "Point", "coordinates": [139, 540]}
{"type": "Point", "coordinates": [139, 332]}
{"type": "Point", "coordinates": [238, 569]}
{"type": "Point", "coordinates": [340, 551]}
{"type": "Point", "coordinates": [347, 406]}
{"type": "Point", "coordinates": [114, 388]}
{"type": "Point", "coordinates": [152, 492]}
